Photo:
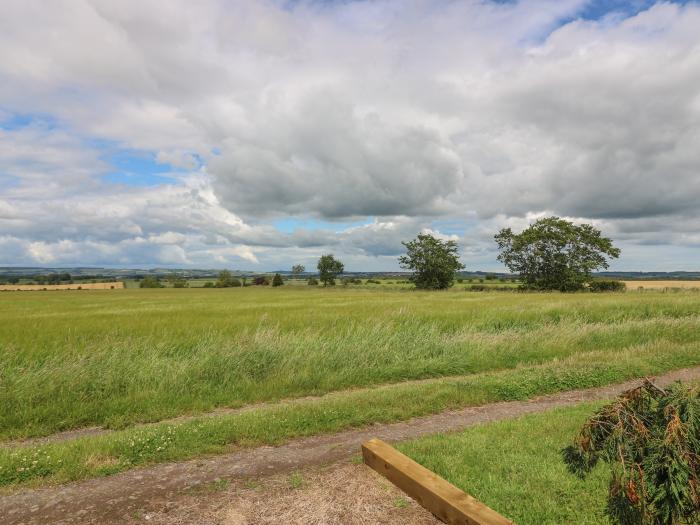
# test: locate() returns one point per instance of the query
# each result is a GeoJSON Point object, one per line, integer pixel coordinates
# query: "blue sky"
{"type": "Point", "coordinates": [270, 132]}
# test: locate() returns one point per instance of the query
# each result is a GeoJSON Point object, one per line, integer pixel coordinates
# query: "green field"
{"type": "Point", "coordinates": [529, 482]}
{"type": "Point", "coordinates": [117, 358]}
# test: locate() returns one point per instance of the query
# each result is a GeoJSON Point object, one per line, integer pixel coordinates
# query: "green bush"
{"type": "Point", "coordinates": [150, 282]}
{"type": "Point", "coordinates": [650, 438]}
{"type": "Point", "coordinates": [277, 280]}
{"type": "Point", "coordinates": [607, 285]}
{"type": "Point", "coordinates": [312, 282]}
{"type": "Point", "coordinates": [209, 284]}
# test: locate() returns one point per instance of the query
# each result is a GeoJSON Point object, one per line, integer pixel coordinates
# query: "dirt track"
{"type": "Point", "coordinates": [120, 497]}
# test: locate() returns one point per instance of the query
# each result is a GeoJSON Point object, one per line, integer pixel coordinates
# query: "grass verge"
{"type": "Point", "coordinates": [122, 450]}
{"type": "Point", "coordinates": [515, 467]}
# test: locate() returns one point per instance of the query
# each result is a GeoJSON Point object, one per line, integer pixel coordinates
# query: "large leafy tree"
{"type": "Point", "coordinates": [328, 269]}
{"type": "Point", "coordinates": [555, 254]}
{"type": "Point", "coordinates": [650, 438]}
{"type": "Point", "coordinates": [434, 262]}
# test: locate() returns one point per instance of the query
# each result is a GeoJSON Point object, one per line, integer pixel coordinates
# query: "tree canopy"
{"type": "Point", "coordinates": [328, 269]}
{"type": "Point", "coordinates": [555, 254]}
{"type": "Point", "coordinates": [434, 262]}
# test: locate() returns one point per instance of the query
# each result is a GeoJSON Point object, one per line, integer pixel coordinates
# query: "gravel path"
{"type": "Point", "coordinates": [118, 498]}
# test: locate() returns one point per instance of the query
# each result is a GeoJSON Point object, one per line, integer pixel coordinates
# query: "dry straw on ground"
{"type": "Point", "coordinates": [342, 494]}
{"type": "Point", "coordinates": [662, 285]}
{"type": "Point", "coordinates": [76, 286]}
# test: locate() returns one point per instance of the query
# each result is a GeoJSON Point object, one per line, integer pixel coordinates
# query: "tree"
{"type": "Point", "coordinates": [298, 269]}
{"type": "Point", "coordinates": [277, 280]}
{"type": "Point", "coordinates": [434, 262]}
{"type": "Point", "coordinates": [328, 269]}
{"type": "Point", "coordinates": [555, 254]}
{"type": "Point", "coordinates": [650, 438]}
{"type": "Point", "coordinates": [150, 282]}
{"type": "Point", "coordinates": [226, 280]}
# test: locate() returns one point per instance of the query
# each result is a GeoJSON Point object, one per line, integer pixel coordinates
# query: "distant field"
{"type": "Point", "coordinates": [661, 285]}
{"type": "Point", "coordinates": [75, 286]}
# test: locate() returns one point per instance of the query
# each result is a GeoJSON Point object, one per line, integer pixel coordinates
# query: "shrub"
{"type": "Point", "coordinates": [209, 284]}
{"type": "Point", "coordinates": [608, 285]}
{"type": "Point", "coordinates": [150, 282]}
{"type": "Point", "coordinates": [261, 280]}
{"type": "Point", "coordinates": [650, 438]}
{"type": "Point", "coordinates": [277, 280]}
{"type": "Point", "coordinates": [312, 282]}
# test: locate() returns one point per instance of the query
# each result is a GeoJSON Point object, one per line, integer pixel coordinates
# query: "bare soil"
{"type": "Point", "coordinates": [136, 493]}
{"type": "Point", "coordinates": [341, 494]}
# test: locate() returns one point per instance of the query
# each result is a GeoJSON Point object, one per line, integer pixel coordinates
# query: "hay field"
{"type": "Point", "coordinates": [75, 286]}
{"type": "Point", "coordinates": [662, 285]}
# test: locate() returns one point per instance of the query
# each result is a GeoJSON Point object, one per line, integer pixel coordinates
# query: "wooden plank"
{"type": "Point", "coordinates": [444, 500]}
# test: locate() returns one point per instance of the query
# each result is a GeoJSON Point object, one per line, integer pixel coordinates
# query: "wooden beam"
{"type": "Point", "coordinates": [444, 500]}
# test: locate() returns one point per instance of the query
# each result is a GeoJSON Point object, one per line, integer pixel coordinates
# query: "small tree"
{"type": "Point", "coordinates": [150, 282]}
{"type": "Point", "coordinates": [434, 262]}
{"type": "Point", "coordinates": [555, 254]}
{"type": "Point", "coordinates": [650, 437]}
{"type": "Point", "coordinates": [225, 279]}
{"type": "Point", "coordinates": [277, 280]}
{"type": "Point", "coordinates": [297, 270]}
{"type": "Point", "coordinates": [328, 269]}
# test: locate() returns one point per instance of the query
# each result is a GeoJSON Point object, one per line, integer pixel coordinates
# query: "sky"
{"type": "Point", "coordinates": [258, 134]}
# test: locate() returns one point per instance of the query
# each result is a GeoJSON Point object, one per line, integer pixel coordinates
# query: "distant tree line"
{"type": "Point", "coordinates": [551, 254]}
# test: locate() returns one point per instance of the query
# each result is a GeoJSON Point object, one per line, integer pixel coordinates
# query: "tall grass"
{"type": "Point", "coordinates": [72, 359]}
{"type": "Point", "coordinates": [136, 446]}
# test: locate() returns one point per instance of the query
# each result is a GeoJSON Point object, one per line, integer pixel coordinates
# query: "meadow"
{"type": "Point", "coordinates": [118, 358]}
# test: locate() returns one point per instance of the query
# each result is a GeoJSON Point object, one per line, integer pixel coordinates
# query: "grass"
{"type": "Point", "coordinates": [515, 467]}
{"type": "Point", "coordinates": [101, 455]}
{"type": "Point", "coordinates": [117, 358]}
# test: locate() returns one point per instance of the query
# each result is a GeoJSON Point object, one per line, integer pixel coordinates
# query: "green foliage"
{"type": "Point", "coordinates": [434, 262]}
{"type": "Point", "coordinates": [555, 254]}
{"type": "Point", "coordinates": [277, 280]}
{"type": "Point", "coordinates": [298, 269]}
{"type": "Point", "coordinates": [328, 269]}
{"type": "Point", "coordinates": [650, 438]}
{"type": "Point", "coordinates": [607, 285]}
{"type": "Point", "coordinates": [227, 280]}
{"type": "Point", "coordinates": [150, 282]}
{"type": "Point", "coordinates": [208, 284]}
{"type": "Point", "coordinates": [312, 281]}
{"type": "Point", "coordinates": [180, 283]}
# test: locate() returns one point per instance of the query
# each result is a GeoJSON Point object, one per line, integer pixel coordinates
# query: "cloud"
{"type": "Point", "coordinates": [413, 113]}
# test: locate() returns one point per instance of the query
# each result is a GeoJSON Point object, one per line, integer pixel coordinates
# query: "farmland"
{"type": "Point", "coordinates": [119, 358]}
